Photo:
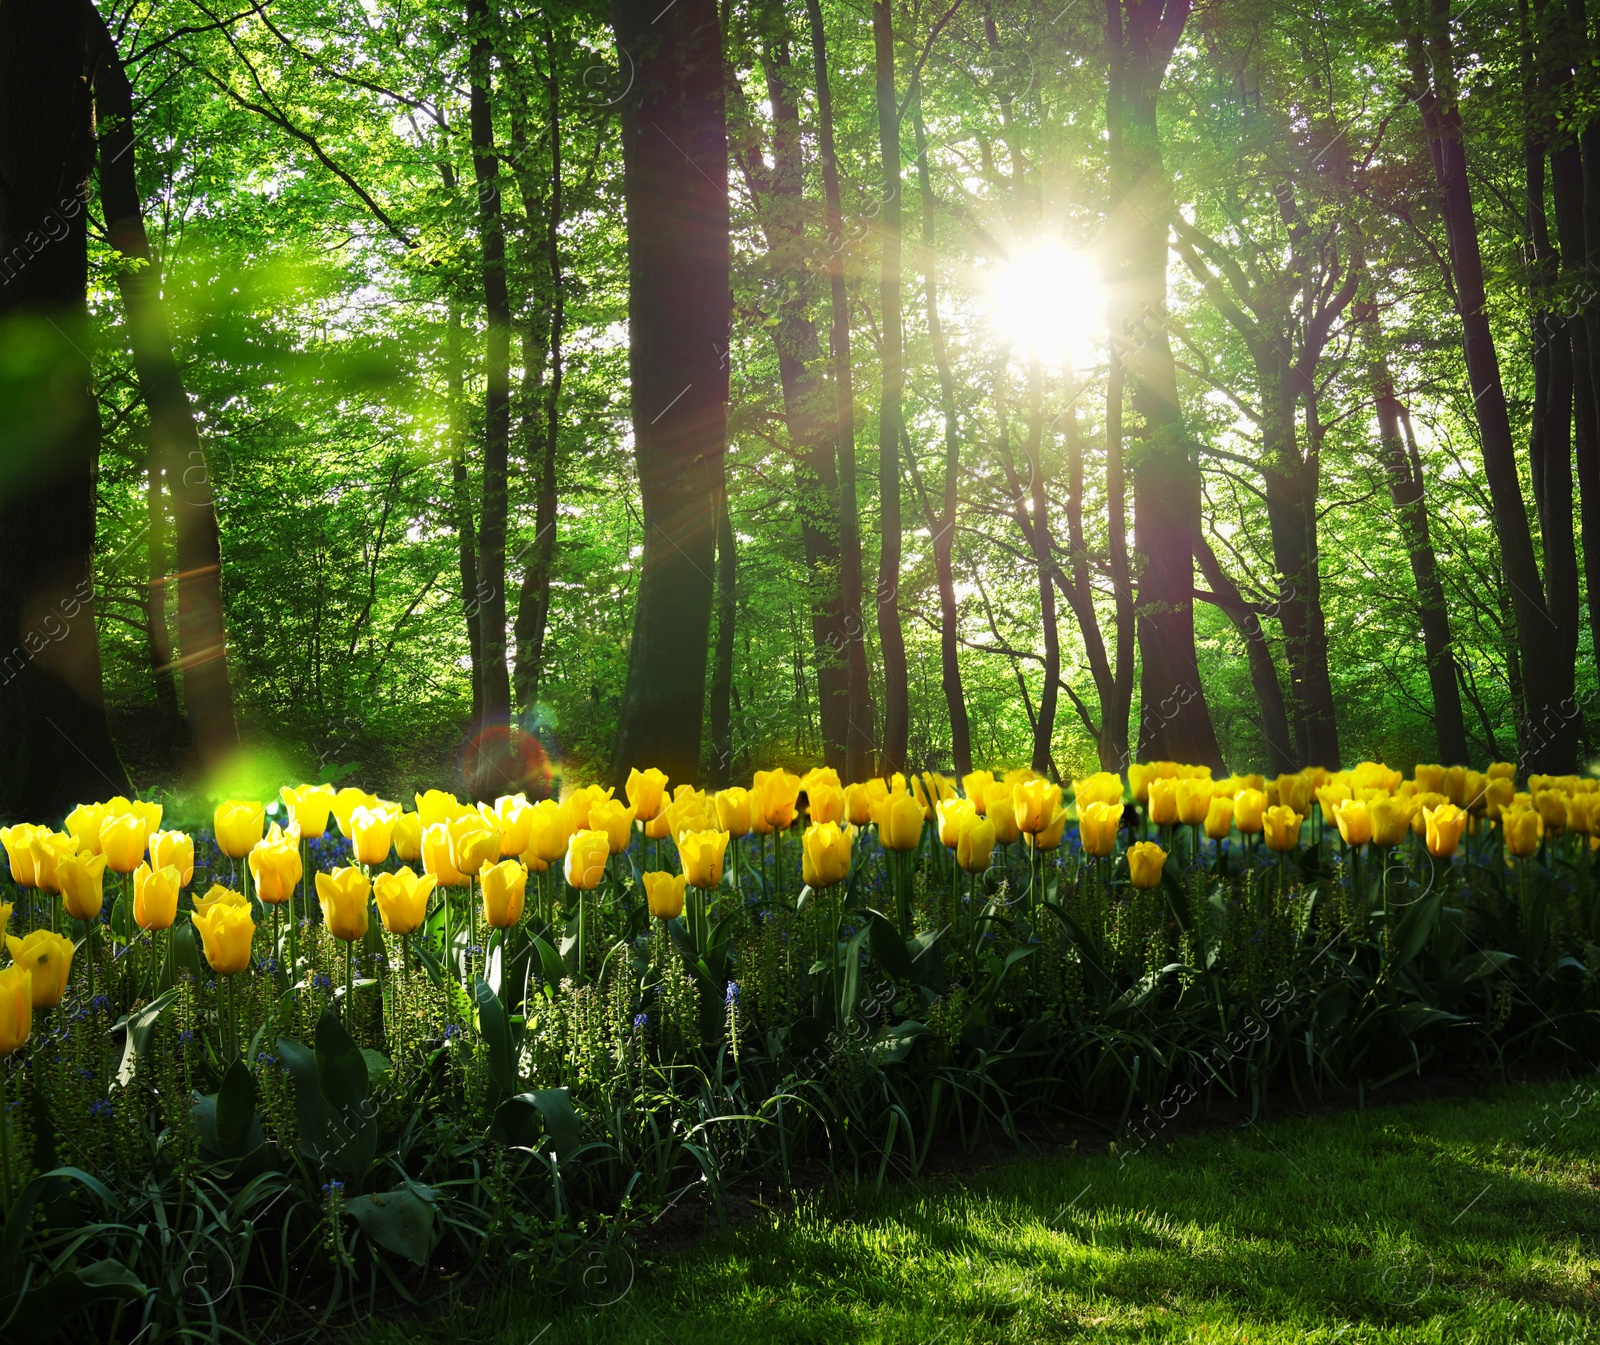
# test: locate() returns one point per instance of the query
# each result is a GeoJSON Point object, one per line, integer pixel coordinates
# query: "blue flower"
{"type": "Point", "coordinates": [641, 1020]}
{"type": "Point", "coordinates": [732, 999]}
{"type": "Point", "coordinates": [100, 1109]}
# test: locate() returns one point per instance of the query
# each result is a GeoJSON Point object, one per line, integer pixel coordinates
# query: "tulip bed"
{"type": "Point", "coordinates": [328, 1050]}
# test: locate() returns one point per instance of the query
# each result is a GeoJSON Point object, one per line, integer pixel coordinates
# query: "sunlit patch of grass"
{"type": "Point", "coordinates": [1470, 1223]}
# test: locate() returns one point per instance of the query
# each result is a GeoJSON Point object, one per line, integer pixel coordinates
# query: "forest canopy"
{"type": "Point", "coordinates": [487, 392]}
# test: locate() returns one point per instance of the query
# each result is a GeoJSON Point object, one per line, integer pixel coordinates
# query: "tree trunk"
{"type": "Point", "coordinates": [944, 528]}
{"type": "Point", "coordinates": [487, 762]}
{"type": "Point", "coordinates": [1044, 728]}
{"type": "Point", "coordinates": [1115, 750]}
{"type": "Point", "coordinates": [1548, 738]}
{"type": "Point", "coordinates": [155, 606]}
{"type": "Point", "coordinates": [461, 504]}
{"type": "Point", "coordinates": [1409, 501]}
{"type": "Point", "coordinates": [1175, 723]}
{"type": "Point", "coordinates": [675, 177]}
{"type": "Point", "coordinates": [174, 437]}
{"type": "Point", "coordinates": [805, 399]}
{"type": "Point", "coordinates": [55, 746]}
{"type": "Point", "coordinates": [891, 639]}
{"type": "Point", "coordinates": [722, 665]}
{"type": "Point", "coordinates": [862, 725]}
{"type": "Point", "coordinates": [533, 602]}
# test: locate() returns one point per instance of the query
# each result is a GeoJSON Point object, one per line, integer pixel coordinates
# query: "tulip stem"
{"type": "Point", "coordinates": [90, 942]}
{"type": "Point", "coordinates": [350, 989]}
{"type": "Point", "coordinates": [233, 1013]}
{"type": "Point", "coordinates": [5, 1136]}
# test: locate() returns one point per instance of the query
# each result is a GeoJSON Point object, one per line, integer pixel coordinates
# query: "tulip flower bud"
{"type": "Point", "coordinates": [975, 845]}
{"type": "Point", "coordinates": [825, 803]}
{"type": "Point", "coordinates": [664, 894]}
{"type": "Point", "coordinates": [701, 854]}
{"type": "Point", "coordinates": [504, 886]}
{"type": "Point", "coordinates": [898, 818]}
{"type": "Point", "coordinates": [308, 807]}
{"type": "Point", "coordinates": [80, 878]}
{"type": "Point", "coordinates": [999, 807]}
{"type": "Point", "coordinates": [16, 1010]}
{"type": "Point", "coordinates": [615, 820]}
{"type": "Point", "coordinates": [1163, 801]}
{"type": "Point", "coordinates": [1098, 824]}
{"type": "Point", "coordinates": [587, 853]}
{"type": "Point", "coordinates": [1101, 787]}
{"type": "Point", "coordinates": [343, 894]}
{"type": "Point", "coordinates": [733, 811]}
{"type": "Point", "coordinates": [227, 931]}
{"type": "Point", "coordinates": [83, 825]}
{"type": "Point", "coordinates": [239, 826]}
{"type": "Point", "coordinates": [976, 785]}
{"type": "Point", "coordinates": [1249, 810]}
{"type": "Point", "coordinates": [402, 898]}
{"type": "Point", "coordinates": [177, 849]}
{"type": "Point", "coordinates": [646, 791]}
{"type": "Point", "coordinates": [275, 866]}
{"type": "Point", "coordinates": [1194, 801]}
{"type": "Point", "coordinates": [18, 841]}
{"type": "Point", "coordinates": [1444, 827]}
{"type": "Point", "coordinates": [1282, 827]}
{"type": "Point", "coordinates": [1146, 860]}
{"type": "Point", "coordinates": [155, 896]}
{"type": "Point", "coordinates": [1219, 817]}
{"type": "Point", "coordinates": [825, 853]}
{"type": "Point", "coordinates": [1524, 829]}
{"type": "Point", "coordinates": [372, 831]}
{"type": "Point", "coordinates": [408, 838]}
{"type": "Point", "coordinates": [48, 956]}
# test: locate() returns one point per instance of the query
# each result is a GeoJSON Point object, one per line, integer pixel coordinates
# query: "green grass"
{"type": "Point", "coordinates": [1444, 1221]}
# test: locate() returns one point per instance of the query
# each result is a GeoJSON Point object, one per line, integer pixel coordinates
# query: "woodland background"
{"type": "Point", "coordinates": [1324, 487]}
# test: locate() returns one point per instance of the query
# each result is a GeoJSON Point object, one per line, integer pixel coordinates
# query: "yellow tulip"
{"type": "Point", "coordinates": [1194, 801]}
{"type": "Point", "coordinates": [408, 838]}
{"type": "Point", "coordinates": [1445, 825]}
{"type": "Point", "coordinates": [975, 846]}
{"type": "Point", "coordinates": [646, 791]}
{"type": "Point", "coordinates": [1035, 804]}
{"type": "Point", "coordinates": [999, 808]}
{"type": "Point", "coordinates": [1375, 775]}
{"type": "Point", "coordinates": [48, 956]}
{"type": "Point", "coordinates": [820, 777]}
{"type": "Point", "coordinates": [733, 811]}
{"type": "Point", "coordinates": [6, 907]}
{"type": "Point", "coordinates": [343, 894]}
{"type": "Point", "coordinates": [504, 886]}
{"type": "Point", "coordinates": [616, 820]}
{"type": "Point", "coordinates": [436, 806]}
{"type": "Point", "coordinates": [239, 826]}
{"type": "Point", "coordinates": [976, 785]}
{"type": "Point", "coordinates": [663, 892]}
{"type": "Point", "coordinates": [1524, 829]}
{"type": "Point", "coordinates": [701, 855]}
{"type": "Point", "coordinates": [155, 896]}
{"type": "Point", "coordinates": [218, 895]}
{"type": "Point", "coordinates": [547, 833]}
{"type": "Point", "coordinates": [1163, 805]}
{"type": "Point", "coordinates": [402, 898]}
{"type": "Point", "coordinates": [587, 853]}
{"type": "Point", "coordinates": [898, 818]}
{"type": "Point", "coordinates": [1282, 827]}
{"type": "Point", "coordinates": [175, 848]}
{"type": "Point", "coordinates": [49, 849]}
{"type": "Point", "coordinates": [16, 1009]}
{"type": "Point", "coordinates": [372, 831]}
{"type": "Point", "coordinates": [1552, 806]}
{"type": "Point", "coordinates": [227, 931]}
{"type": "Point", "coordinates": [576, 806]}
{"type": "Point", "coordinates": [691, 810]}
{"type": "Point", "coordinates": [1502, 770]}
{"type": "Point", "coordinates": [1219, 817]}
{"type": "Point", "coordinates": [1142, 773]}
{"type": "Point", "coordinates": [1331, 795]}
{"type": "Point", "coordinates": [275, 865]}
{"type": "Point", "coordinates": [471, 843]}
{"type": "Point", "coordinates": [1430, 778]}
{"type": "Point", "coordinates": [952, 815]}
{"type": "Point", "coordinates": [1353, 817]}
{"type": "Point", "coordinates": [308, 807]}
{"type": "Point", "coordinates": [1146, 859]}
{"type": "Point", "coordinates": [1391, 819]}
{"type": "Point", "coordinates": [930, 789]}
{"type": "Point", "coordinates": [18, 841]}
{"type": "Point", "coordinates": [1098, 824]}
{"type": "Point", "coordinates": [1249, 811]}
{"type": "Point", "coordinates": [825, 803]}
{"type": "Point", "coordinates": [81, 879]}
{"type": "Point", "coordinates": [84, 823]}
{"type": "Point", "coordinates": [825, 853]}
{"type": "Point", "coordinates": [858, 804]}
{"type": "Point", "coordinates": [1020, 776]}
{"type": "Point", "coordinates": [123, 837]}
{"type": "Point", "coordinates": [1048, 837]}
{"type": "Point", "coordinates": [344, 806]}
{"type": "Point", "coordinates": [512, 816]}
{"type": "Point", "coordinates": [777, 797]}
{"type": "Point", "coordinates": [1101, 787]}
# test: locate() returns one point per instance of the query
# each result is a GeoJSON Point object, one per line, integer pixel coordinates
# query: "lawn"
{"type": "Point", "coordinates": [1474, 1221]}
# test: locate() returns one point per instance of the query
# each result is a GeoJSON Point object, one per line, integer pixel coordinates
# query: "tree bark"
{"type": "Point", "coordinates": [1175, 721]}
{"type": "Point", "coordinates": [675, 176]}
{"type": "Point", "coordinates": [488, 760]}
{"type": "Point", "coordinates": [155, 607]}
{"type": "Point", "coordinates": [891, 639]}
{"type": "Point", "coordinates": [944, 527]}
{"type": "Point", "coordinates": [862, 726]}
{"type": "Point", "coordinates": [722, 664]}
{"type": "Point", "coordinates": [461, 504]}
{"type": "Point", "coordinates": [55, 745]}
{"type": "Point", "coordinates": [1409, 501]}
{"type": "Point", "coordinates": [1045, 726]}
{"type": "Point", "coordinates": [533, 602]}
{"type": "Point", "coordinates": [175, 442]}
{"type": "Point", "coordinates": [1548, 736]}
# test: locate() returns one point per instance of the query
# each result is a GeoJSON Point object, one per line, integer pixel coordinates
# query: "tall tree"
{"type": "Point", "coordinates": [1175, 721]}
{"type": "Point", "coordinates": [1549, 731]}
{"type": "Point", "coordinates": [891, 638]}
{"type": "Point", "coordinates": [55, 744]}
{"type": "Point", "coordinates": [675, 181]}
{"type": "Point", "coordinates": [177, 452]}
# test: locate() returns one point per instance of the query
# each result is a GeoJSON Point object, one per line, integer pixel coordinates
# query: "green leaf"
{"type": "Point", "coordinates": [404, 1221]}
{"type": "Point", "coordinates": [341, 1068]}
{"type": "Point", "coordinates": [888, 948]}
{"type": "Point", "coordinates": [236, 1119]}
{"type": "Point", "coordinates": [496, 1030]}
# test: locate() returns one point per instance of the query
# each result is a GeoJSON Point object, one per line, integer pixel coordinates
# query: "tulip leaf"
{"type": "Point", "coordinates": [1412, 931]}
{"type": "Point", "coordinates": [560, 1119]}
{"type": "Point", "coordinates": [236, 1122]}
{"type": "Point", "coordinates": [54, 1304]}
{"type": "Point", "coordinates": [185, 952]}
{"type": "Point", "coordinates": [888, 948]}
{"type": "Point", "coordinates": [550, 965]}
{"type": "Point", "coordinates": [141, 1023]}
{"type": "Point", "coordinates": [496, 1030]}
{"type": "Point", "coordinates": [341, 1068]}
{"type": "Point", "coordinates": [404, 1221]}
{"type": "Point", "coordinates": [850, 983]}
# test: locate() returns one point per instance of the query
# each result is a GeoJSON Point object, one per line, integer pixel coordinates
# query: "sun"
{"type": "Point", "coordinates": [1048, 301]}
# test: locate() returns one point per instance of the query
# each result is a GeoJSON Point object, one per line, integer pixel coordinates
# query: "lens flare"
{"type": "Point", "coordinates": [1049, 302]}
